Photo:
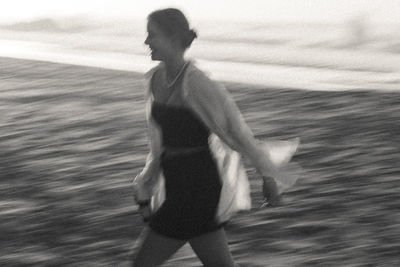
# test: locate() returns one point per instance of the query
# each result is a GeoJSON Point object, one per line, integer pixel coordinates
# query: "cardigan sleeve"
{"type": "Point", "coordinates": [213, 104]}
{"type": "Point", "coordinates": [146, 180]}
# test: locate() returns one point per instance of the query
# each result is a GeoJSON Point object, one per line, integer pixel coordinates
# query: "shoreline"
{"type": "Point", "coordinates": [228, 83]}
{"type": "Point", "coordinates": [254, 74]}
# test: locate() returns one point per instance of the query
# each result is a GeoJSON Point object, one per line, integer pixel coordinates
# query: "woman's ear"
{"type": "Point", "coordinates": [176, 40]}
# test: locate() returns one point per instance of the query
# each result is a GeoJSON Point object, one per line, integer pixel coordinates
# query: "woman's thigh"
{"type": "Point", "coordinates": [154, 248]}
{"type": "Point", "coordinates": [212, 249]}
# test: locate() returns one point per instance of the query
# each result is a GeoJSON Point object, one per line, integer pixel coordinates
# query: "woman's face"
{"type": "Point", "coordinates": [161, 45]}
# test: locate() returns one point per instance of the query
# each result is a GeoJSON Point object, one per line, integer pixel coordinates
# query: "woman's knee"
{"type": "Point", "coordinates": [155, 249]}
{"type": "Point", "coordinates": [212, 249]}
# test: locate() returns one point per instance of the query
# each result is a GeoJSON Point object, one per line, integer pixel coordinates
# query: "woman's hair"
{"type": "Point", "coordinates": [173, 22]}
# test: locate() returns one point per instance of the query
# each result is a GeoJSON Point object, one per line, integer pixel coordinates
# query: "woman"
{"type": "Point", "coordinates": [193, 174]}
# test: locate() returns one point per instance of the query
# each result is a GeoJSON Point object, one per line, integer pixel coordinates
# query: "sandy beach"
{"type": "Point", "coordinates": [72, 137]}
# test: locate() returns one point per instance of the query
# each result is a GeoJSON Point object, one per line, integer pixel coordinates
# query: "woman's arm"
{"type": "Point", "coordinates": [220, 113]}
{"type": "Point", "coordinates": [147, 178]}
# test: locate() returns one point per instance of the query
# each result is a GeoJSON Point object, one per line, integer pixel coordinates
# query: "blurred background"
{"type": "Point", "coordinates": [73, 134]}
{"type": "Point", "coordinates": [311, 44]}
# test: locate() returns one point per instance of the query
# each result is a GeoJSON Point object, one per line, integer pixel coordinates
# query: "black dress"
{"type": "Point", "coordinates": [192, 181]}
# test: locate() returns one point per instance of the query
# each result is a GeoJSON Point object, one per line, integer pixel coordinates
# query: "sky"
{"type": "Point", "coordinates": [387, 11]}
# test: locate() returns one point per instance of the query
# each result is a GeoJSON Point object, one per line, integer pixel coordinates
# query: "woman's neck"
{"type": "Point", "coordinates": [174, 66]}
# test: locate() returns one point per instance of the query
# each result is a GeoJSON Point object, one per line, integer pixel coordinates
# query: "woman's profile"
{"type": "Point", "coordinates": [194, 179]}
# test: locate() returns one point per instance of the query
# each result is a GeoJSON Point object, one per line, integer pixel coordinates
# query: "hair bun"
{"type": "Point", "coordinates": [190, 36]}
{"type": "Point", "coordinates": [193, 34]}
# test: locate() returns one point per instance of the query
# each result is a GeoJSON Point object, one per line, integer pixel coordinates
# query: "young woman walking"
{"type": "Point", "coordinates": [193, 181]}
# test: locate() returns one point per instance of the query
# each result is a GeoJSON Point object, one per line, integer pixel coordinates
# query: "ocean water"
{"type": "Point", "coordinates": [347, 56]}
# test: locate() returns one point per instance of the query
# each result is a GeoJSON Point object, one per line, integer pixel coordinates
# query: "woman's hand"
{"type": "Point", "coordinates": [270, 192]}
{"type": "Point", "coordinates": [145, 210]}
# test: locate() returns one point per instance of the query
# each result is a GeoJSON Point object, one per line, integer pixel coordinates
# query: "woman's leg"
{"type": "Point", "coordinates": [155, 249]}
{"type": "Point", "coordinates": [212, 249]}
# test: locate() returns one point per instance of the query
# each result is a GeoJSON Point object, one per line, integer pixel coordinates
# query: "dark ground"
{"type": "Point", "coordinates": [71, 138]}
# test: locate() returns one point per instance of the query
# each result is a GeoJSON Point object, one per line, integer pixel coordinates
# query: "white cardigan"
{"type": "Point", "coordinates": [230, 138]}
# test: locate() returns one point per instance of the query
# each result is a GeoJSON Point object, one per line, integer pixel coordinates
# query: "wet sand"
{"type": "Point", "coordinates": [72, 137]}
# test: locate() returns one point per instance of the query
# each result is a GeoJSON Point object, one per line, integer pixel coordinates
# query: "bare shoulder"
{"type": "Point", "coordinates": [200, 79]}
{"type": "Point", "coordinates": [201, 85]}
